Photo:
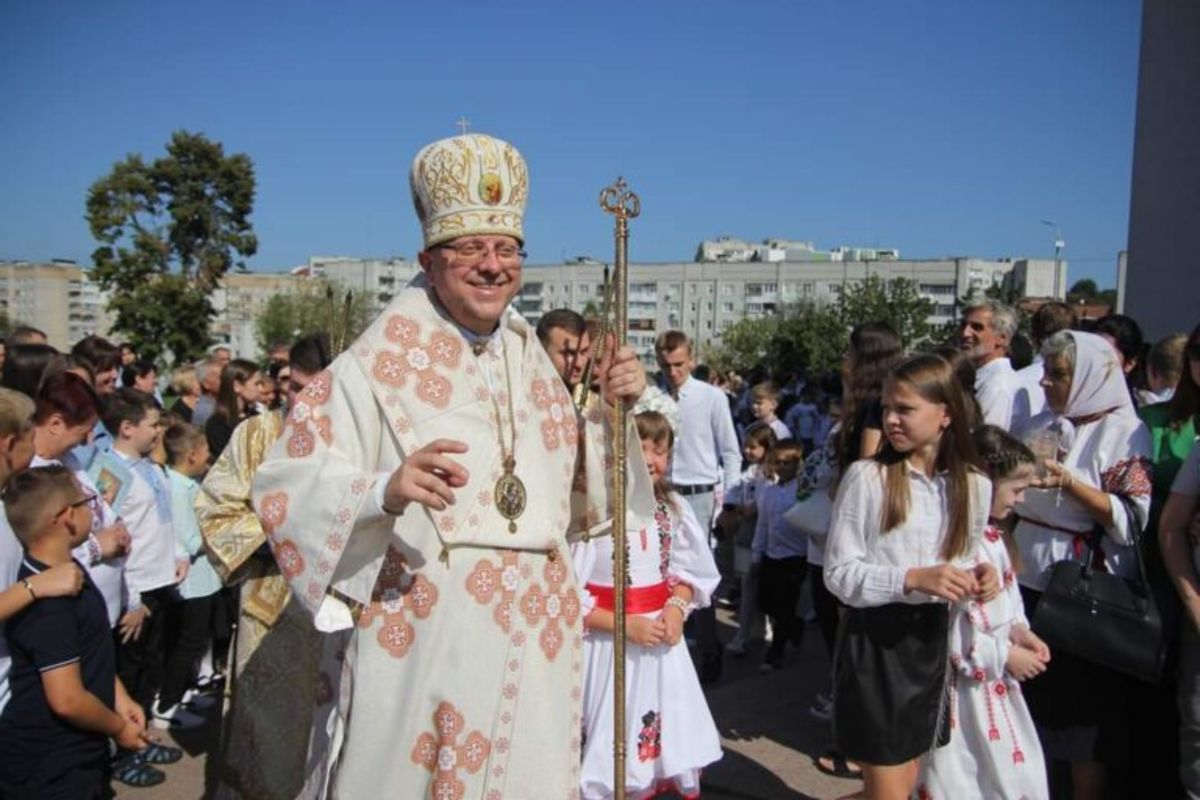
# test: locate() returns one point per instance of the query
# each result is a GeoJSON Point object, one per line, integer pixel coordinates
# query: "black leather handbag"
{"type": "Point", "coordinates": [1101, 617]}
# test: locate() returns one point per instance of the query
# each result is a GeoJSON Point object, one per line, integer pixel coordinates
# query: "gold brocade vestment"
{"type": "Point", "coordinates": [275, 679]}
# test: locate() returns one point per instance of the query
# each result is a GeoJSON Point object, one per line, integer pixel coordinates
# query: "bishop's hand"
{"type": "Point", "coordinates": [428, 477]}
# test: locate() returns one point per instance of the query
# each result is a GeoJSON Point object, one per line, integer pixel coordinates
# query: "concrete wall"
{"type": "Point", "coordinates": [1162, 289]}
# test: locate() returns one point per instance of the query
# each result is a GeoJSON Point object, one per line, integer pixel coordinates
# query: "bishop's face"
{"type": "Point", "coordinates": [475, 278]}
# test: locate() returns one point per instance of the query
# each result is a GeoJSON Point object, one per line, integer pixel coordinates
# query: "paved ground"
{"type": "Point", "coordinates": [769, 738]}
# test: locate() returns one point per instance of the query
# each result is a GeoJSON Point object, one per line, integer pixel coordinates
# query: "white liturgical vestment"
{"type": "Point", "coordinates": [462, 677]}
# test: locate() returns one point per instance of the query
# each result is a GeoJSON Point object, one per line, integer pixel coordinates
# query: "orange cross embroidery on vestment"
{"type": "Point", "coordinates": [552, 605]}
{"type": "Point", "coordinates": [559, 426]}
{"type": "Point", "coordinates": [398, 591]}
{"type": "Point", "coordinates": [417, 359]}
{"type": "Point", "coordinates": [501, 580]}
{"type": "Point", "coordinates": [441, 753]}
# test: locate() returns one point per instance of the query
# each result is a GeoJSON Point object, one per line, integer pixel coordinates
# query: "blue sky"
{"type": "Point", "coordinates": [938, 127]}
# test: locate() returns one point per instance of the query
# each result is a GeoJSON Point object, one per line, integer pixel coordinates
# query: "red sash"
{"type": "Point", "coordinates": [639, 600]}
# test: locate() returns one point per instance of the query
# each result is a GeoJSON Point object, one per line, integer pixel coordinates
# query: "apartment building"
{"type": "Point", "coordinates": [57, 297]}
{"type": "Point", "coordinates": [704, 298]}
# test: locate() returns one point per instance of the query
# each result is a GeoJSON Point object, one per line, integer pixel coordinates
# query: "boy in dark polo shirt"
{"type": "Point", "coordinates": [54, 731]}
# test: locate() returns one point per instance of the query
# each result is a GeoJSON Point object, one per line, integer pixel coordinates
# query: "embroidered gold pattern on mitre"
{"type": "Point", "coordinates": [471, 184]}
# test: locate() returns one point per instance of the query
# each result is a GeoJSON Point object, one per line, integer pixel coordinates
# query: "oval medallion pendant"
{"type": "Point", "coordinates": [509, 495]}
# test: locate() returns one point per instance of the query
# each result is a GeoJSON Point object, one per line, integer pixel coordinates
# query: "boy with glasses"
{"type": "Point", "coordinates": [66, 699]}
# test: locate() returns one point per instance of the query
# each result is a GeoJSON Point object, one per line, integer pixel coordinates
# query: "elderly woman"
{"type": "Point", "coordinates": [1096, 489]}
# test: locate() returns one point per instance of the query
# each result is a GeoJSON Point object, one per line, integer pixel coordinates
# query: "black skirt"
{"type": "Point", "coordinates": [889, 673]}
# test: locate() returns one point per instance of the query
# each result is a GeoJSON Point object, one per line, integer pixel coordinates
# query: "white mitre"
{"type": "Point", "coordinates": [469, 185]}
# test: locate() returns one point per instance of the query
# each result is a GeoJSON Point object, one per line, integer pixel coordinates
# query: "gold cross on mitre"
{"type": "Point", "coordinates": [463, 124]}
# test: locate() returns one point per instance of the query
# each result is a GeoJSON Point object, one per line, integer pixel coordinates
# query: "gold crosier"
{"type": "Point", "coordinates": [622, 203]}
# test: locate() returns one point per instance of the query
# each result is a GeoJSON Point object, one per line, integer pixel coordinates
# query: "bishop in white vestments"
{"type": "Point", "coordinates": [422, 493]}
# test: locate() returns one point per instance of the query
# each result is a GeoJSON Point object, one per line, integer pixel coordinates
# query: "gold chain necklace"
{"type": "Point", "coordinates": [509, 492]}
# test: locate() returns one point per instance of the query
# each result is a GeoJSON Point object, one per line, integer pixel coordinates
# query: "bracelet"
{"type": "Point", "coordinates": [93, 546]}
{"type": "Point", "coordinates": [685, 608]}
{"type": "Point", "coordinates": [28, 584]}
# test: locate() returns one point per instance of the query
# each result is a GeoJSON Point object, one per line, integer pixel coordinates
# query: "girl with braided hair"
{"type": "Point", "coordinates": [993, 749]}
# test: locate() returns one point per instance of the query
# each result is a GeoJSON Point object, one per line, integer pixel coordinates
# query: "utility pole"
{"type": "Point", "coordinates": [1059, 244]}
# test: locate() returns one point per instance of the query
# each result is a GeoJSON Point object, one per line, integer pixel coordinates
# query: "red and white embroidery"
{"type": "Point", "coordinates": [287, 555]}
{"type": "Point", "coordinates": [559, 426]}
{"type": "Point", "coordinates": [1129, 477]}
{"type": "Point", "coordinates": [301, 424]}
{"type": "Point", "coordinates": [272, 511]}
{"type": "Point", "coordinates": [421, 361]}
{"type": "Point", "coordinates": [442, 754]}
{"type": "Point", "coordinates": [397, 593]}
{"type": "Point", "coordinates": [318, 390]}
{"type": "Point", "coordinates": [555, 605]}
{"type": "Point", "coordinates": [488, 581]}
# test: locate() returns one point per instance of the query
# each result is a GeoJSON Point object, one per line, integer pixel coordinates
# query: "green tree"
{"type": "Point", "coordinates": [812, 336]}
{"type": "Point", "coordinates": [310, 309]}
{"type": "Point", "coordinates": [168, 231]}
{"type": "Point", "coordinates": [895, 302]}
{"type": "Point", "coordinates": [1083, 290]}
{"type": "Point", "coordinates": [743, 344]}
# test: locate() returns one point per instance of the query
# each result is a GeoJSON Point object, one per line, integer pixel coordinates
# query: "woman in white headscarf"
{"type": "Point", "coordinates": [1096, 488]}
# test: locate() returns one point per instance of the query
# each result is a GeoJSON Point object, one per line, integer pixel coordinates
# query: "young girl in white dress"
{"type": "Point", "coordinates": [670, 734]}
{"type": "Point", "coordinates": [905, 527]}
{"type": "Point", "coordinates": [994, 750]}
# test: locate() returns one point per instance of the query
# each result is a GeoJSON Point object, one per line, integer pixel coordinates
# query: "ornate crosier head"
{"type": "Point", "coordinates": [619, 200]}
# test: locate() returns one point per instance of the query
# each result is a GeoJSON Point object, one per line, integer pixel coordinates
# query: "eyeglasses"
{"type": "Point", "coordinates": [473, 253]}
{"type": "Point", "coordinates": [87, 500]}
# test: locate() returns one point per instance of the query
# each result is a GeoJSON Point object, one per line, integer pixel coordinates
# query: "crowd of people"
{"type": "Point", "coordinates": [126, 606]}
{"type": "Point", "coordinates": [399, 563]}
{"type": "Point", "coordinates": [930, 474]}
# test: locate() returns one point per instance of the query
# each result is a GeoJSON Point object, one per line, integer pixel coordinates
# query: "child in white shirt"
{"type": "Point", "coordinates": [906, 525]}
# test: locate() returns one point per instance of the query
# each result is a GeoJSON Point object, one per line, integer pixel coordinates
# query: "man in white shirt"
{"type": "Point", "coordinates": [987, 328]}
{"type": "Point", "coordinates": [706, 456]}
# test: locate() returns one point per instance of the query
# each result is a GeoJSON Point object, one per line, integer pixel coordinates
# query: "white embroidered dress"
{"type": "Point", "coordinates": [462, 677]}
{"type": "Point", "coordinates": [994, 750]}
{"type": "Point", "coordinates": [671, 735]}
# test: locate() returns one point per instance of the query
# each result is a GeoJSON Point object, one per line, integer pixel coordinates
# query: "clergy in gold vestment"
{"type": "Point", "coordinates": [421, 494]}
{"type": "Point", "coordinates": [265, 738]}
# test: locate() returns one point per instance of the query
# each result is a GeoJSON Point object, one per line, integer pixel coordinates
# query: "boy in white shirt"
{"type": "Point", "coordinates": [156, 562]}
{"type": "Point", "coordinates": [764, 400]}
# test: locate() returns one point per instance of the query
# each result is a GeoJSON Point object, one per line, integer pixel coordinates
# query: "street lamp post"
{"type": "Point", "coordinates": [1059, 244]}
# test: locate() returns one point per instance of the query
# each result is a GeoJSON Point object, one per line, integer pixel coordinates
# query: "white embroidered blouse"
{"type": "Point", "coordinates": [865, 567]}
